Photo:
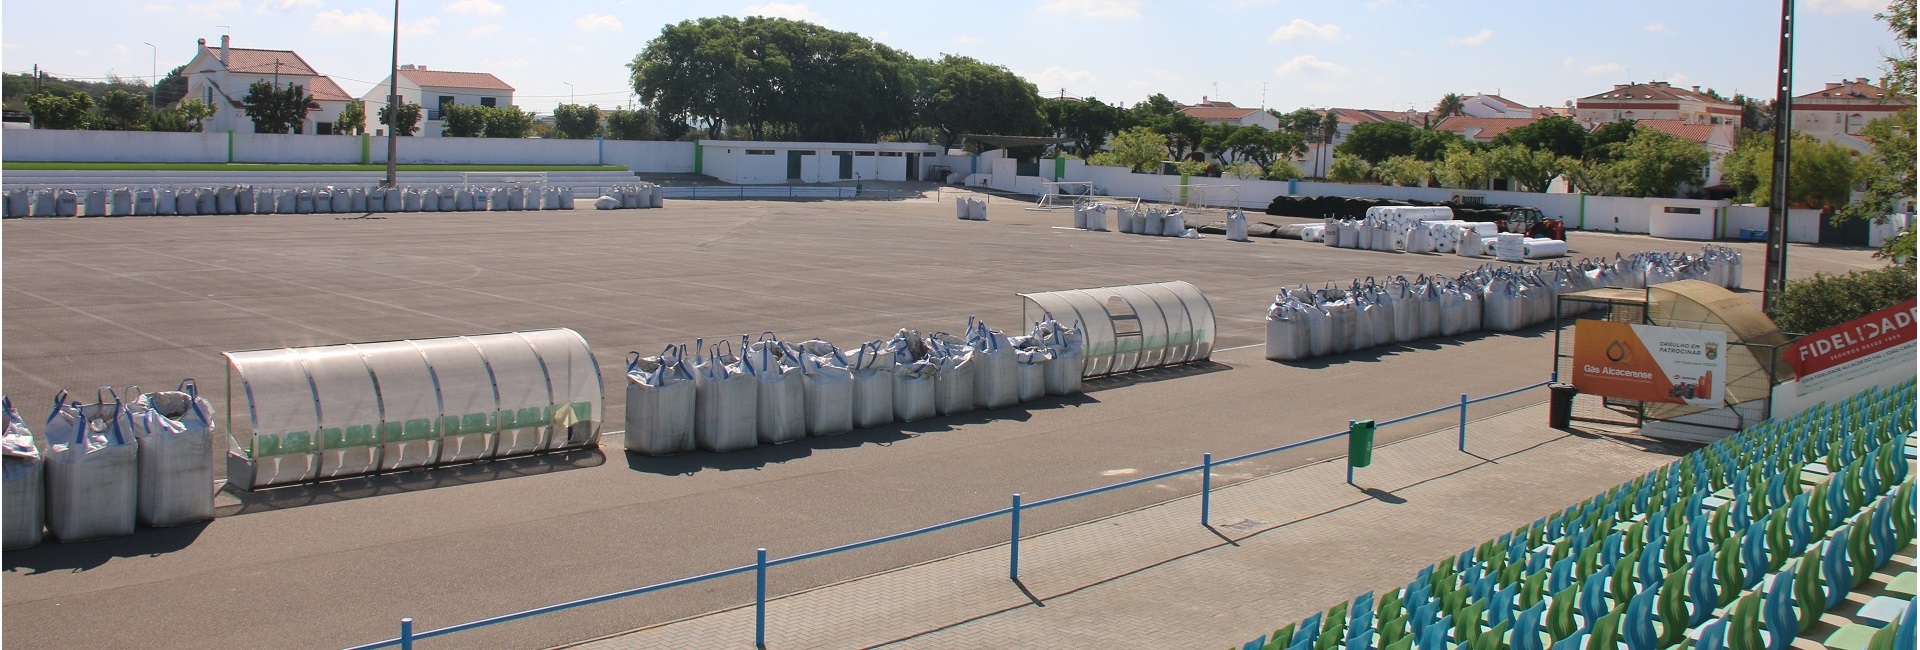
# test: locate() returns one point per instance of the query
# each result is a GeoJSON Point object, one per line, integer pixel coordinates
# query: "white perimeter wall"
{"type": "Point", "coordinates": [36, 145]}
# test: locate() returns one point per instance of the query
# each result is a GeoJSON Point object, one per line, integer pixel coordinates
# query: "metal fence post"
{"type": "Point", "coordinates": [1013, 549]}
{"type": "Point", "coordinates": [1463, 422]}
{"type": "Point", "coordinates": [406, 633]}
{"type": "Point", "coordinates": [1206, 488]}
{"type": "Point", "coordinates": [760, 600]}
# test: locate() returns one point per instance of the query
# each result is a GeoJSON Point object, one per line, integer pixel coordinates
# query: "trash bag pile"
{"type": "Point", "coordinates": [109, 466]}
{"type": "Point", "coordinates": [328, 199]}
{"type": "Point", "coordinates": [1303, 323]}
{"type": "Point", "coordinates": [768, 391]}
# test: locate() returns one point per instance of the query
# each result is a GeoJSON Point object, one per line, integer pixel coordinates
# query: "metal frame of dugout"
{"type": "Point", "coordinates": [1132, 327]}
{"type": "Point", "coordinates": [324, 412]}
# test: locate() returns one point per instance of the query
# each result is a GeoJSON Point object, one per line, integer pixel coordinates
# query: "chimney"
{"type": "Point", "coordinates": [1696, 89]}
{"type": "Point", "coordinates": [419, 67]}
{"type": "Point", "coordinates": [1832, 85]}
{"type": "Point", "coordinates": [1860, 80]}
{"type": "Point", "coordinates": [224, 40]}
{"type": "Point", "coordinates": [406, 66]}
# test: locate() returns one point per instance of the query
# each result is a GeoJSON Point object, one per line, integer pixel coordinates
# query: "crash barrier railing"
{"type": "Point", "coordinates": [1773, 525]}
{"type": "Point", "coordinates": [762, 563]}
{"type": "Point", "coordinates": [780, 191]}
{"type": "Point", "coordinates": [329, 411]}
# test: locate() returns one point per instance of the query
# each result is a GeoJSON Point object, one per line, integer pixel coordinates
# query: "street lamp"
{"type": "Point", "coordinates": [569, 92]}
{"type": "Point", "coordinates": [153, 87]}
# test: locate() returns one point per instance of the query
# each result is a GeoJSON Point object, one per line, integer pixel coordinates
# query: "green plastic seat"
{"type": "Point", "coordinates": [418, 429]}
{"type": "Point", "coordinates": [1850, 637]}
{"type": "Point", "coordinates": [476, 423]}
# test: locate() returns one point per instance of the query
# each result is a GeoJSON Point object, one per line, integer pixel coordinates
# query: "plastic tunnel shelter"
{"type": "Point", "coordinates": [1132, 327]}
{"type": "Point", "coordinates": [339, 410]}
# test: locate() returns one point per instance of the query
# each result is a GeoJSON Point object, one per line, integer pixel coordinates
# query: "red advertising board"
{"type": "Point", "coordinates": [1862, 337]}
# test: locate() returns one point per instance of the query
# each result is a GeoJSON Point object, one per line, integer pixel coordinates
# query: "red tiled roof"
{"type": "Point", "coordinates": [1490, 127]}
{"type": "Point", "coordinates": [262, 61]}
{"type": "Point", "coordinates": [1691, 132]}
{"type": "Point", "coordinates": [1856, 89]}
{"type": "Point", "coordinates": [1218, 113]}
{"type": "Point", "coordinates": [1653, 91]}
{"type": "Point", "coordinates": [324, 89]}
{"type": "Point", "coordinates": [1362, 116]}
{"type": "Point", "coordinates": [446, 79]}
{"type": "Point", "coordinates": [1506, 101]}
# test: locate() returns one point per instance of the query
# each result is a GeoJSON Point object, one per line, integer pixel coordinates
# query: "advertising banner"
{"type": "Point", "coordinates": [1853, 349]}
{"type": "Point", "coordinates": [1669, 365]}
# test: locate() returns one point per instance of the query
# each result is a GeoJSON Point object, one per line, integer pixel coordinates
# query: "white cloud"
{"type": "Point", "coordinates": [474, 7]}
{"type": "Point", "coordinates": [1568, 62]}
{"type": "Point", "coordinates": [287, 5]}
{"type": "Point", "coordinates": [787, 10]}
{"type": "Point", "coordinates": [597, 23]}
{"type": "Point", "coordinates": [1475, 40]}
{"type": "Point", "coordinates": [1098, 8]}
{"type": "Point", "coordinates": [1303, 29]}
{"type": "Point", "coordinates": [1605, 68]}
{"type": "Point", "coordinates": [336, 22]}
{"type": "Point", "coordinates": [1657, 27]}
{"type": "Point", "coordinates": [422, 27]}
{"type": "Point", "coordinates": [483, 30]}
{"type": "Point", "coordinates": [212, 9]}
{"type": "Point", "coordinates": [1309, 64]}
{"type": "Point", "coordinates": [1845, 6]}
{"type": "Point", "coordinates": [120, 49]}
{"type": "Point", "coordinates": [1055, 77]}
{"type": "Point", "coordinates": [964, 39]}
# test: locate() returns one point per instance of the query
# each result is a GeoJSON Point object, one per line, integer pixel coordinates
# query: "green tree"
{"type": "Point", "coordinates": [1603, 140]}
{"type": "Point", "coordinates": [631, 125]}
{"type": "Point", "coordinates": [352, 119]}
{"type": "Point", "coordinates": [172, 87]}
{"type": "Point", "coordinates": [463, 120]}
{"type": "Point", "coordinates": [1262, 147]}
{"type": "Point", "coordinates": [405, 118]}
{"type": "Point", "coordinates": [1088, 122]}
{"type": "Point", "coordinates": [1242, 171]}
{"type": "Point", "coordinates": [275, 109]}
{"type": "Point", "coordinates": [1134, 149]}
{"type": "Point", "coordinates": [1558, 135]}
{"type": "Point", "coordinates": [972, 97]}
{"type": "Point", "coordinates": [1449, 105]}
{"type": "Point", "coordinates": [1652, 163]}
{"type": "Point", "coordinates": [122, 111]}
{"type": "Point", "coordinates": [1283, 169]}
{"type": "Point", "coordinates": [1592, 177]}
{"type": "Point", "coordinates": [1533, 169]}
{"type": "Point", "coordinates": [168, 120]}
{"type": "Point", "coordinates": [1887, 172]}
{"type": "Point", "coordinates": [1822, 301]}
{"type": "Point", "coordinates": [1432, 145]}
{"type": "Point", "coordinates": [576, 122]}
{"type": "Point", "coordinates": [1821, 175]}
{"type": "Point", "coordinates": [1405, 171]}
{"type": "Point", "coordinates": [507, 122]}
{"type": "Point", "coordinates": [1184, 134]}
{"type": "Point", "coordinates": [1150, 113]}
{"type": "Point", "coordinates": [65, 113]}
{"type": "Point", "coordinates": [1373, 142]}
{"type": "Point", "coordinates": [1462, 168]}
{"type": "Point", "coordinates": [1348, 168]}
{"type": "Point", "coordinates": [196, 111]}
{"type": "Point", "coordinates": [1899, 66]}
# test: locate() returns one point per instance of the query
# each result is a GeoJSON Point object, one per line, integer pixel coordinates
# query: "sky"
{"type": "Point", "coordinates": [1285, 54]}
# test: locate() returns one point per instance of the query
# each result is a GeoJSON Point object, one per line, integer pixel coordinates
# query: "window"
{"type": "Point", "coordinates": [323, 128]}
{"type": "Point", "coordinates": [759, 152]}
{"type": "Point", "coordinates": [843, 153]}
{"type": "Point", "coordinates": [486, 101]}
{"type": "Point", "coordinates": [802, 153]}
{"type": "Point", "coordinates": [1671, 209]}
{"type": "Point", "coordinates": [863, 153]}
{"type": "Point", "coordinates": [890, 154]}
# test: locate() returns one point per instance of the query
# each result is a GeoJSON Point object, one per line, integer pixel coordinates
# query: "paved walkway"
{"type": "Point", "coordinates": [1281, 547]}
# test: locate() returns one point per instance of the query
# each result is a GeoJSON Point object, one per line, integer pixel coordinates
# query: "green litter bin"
{"type": "Point", "coordinates": [1360, 443]}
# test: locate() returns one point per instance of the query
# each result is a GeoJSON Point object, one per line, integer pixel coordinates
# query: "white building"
{"type": "Point", "coordinates": [1493, 106]}
{"type": "Point", "coordinates": [760, 163]}
{"type": "Point", "coordinates": [435, 90]}
{"type": "Point", "coordinates": [1657, 100]}
{"type": "Point", "coordinates": [1838, 112]}
{"type": "Point", "coordinates": [1218, 112]}
{"type": "Point", "coordinates": [220, 77]}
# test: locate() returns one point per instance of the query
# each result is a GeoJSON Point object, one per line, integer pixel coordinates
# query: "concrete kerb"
{"type": "Point", "coordinates": [1217, 490]}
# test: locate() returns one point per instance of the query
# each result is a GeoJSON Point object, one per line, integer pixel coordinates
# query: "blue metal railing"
{"type": "Point", "coordinates": [762, 563]}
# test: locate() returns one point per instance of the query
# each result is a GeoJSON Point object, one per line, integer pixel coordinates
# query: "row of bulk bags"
{"type": "Point", "coordinates": [110, 466]}
{"type": "Point", "coordinates": [1094, 217]}
{"type": "Point", "coordinates": [643, 195]}
{"type": "Point", "coordinates": [245, 199]}
{"type": "Point", "coordinates": [1153, 222]}
{"type": "Point", "coordinates": [773, 392]}
{"type": "Point", "coordinates": [970, 209]}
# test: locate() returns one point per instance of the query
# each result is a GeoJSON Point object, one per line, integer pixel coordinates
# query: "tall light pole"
{"type": "Point", "coordinates": [569, 92]}
{"type": "Point", "coordinates": [153, 87]}
{"type": "Point", "coordinates": [1776, 269]}
{"type": "Point", "coordinates": [393, 104]}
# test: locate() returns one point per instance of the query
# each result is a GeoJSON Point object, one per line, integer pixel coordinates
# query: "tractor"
{"type": "Point", "coordinates": [1530, 222]}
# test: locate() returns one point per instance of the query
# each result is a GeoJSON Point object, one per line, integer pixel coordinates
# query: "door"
{"type": "Point", "coordinates": [846, 167]}
{"type": "Point", "coordinates": [793, 164]}
{"type": "Point", "coordinates": [913, 166]}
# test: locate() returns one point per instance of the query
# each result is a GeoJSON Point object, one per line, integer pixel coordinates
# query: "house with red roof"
{"type": "Point", "coordinates": [1655, 100]}
{"type": "Point", "coordinates": [1213, 111]}
{"type": "Point", "coordinates": [1838, 112]}
{"type": "Point", "coordinates": [436, 90]}
{"type": "Point", "coordinates": [1482, 129]}
{"type": "Point", "coordinates": [221, 77]}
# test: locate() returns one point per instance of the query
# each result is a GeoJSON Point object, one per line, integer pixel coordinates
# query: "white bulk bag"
{"type": "Point", "coordinates": [1288, 338]}
{"type": "Point", "coordinates": [1236, 226]}
{"type": "Point", "coordinates": [1097, 218]}
{"type": "Point", "coordinates": [978, 210]}
{"type": "Point", "coordinates": [565, 198]}
{"type": "Point", "coordinates": [1174, 225]}
{"type": "Point", "coordinates": [224, 201]}
{"type": "Point", "coordinates": [449, 199]}
{"type": "Point", "coordinates": [1503, 305]}
{"type": "Point", "coordinates": [357, 200]}
{"type": "Point", "coordinates": [827, 384]}
{"type": "Point", "coordinates": [1349, 234]}
{"type": "Point", "coordinates": [429, 200]}
{"type": "Point", "coordinates": [1366, 319]}
{"type": "Point", "coordinates": [1124, 221]}
{"type": "Point", "coordinates": [781, 409]}
{"type": "Point", "coordinates": [960, 208]}
{"type": "Point", "coordinates": [394, 202]}
{"type": "Point", "coordinates": [1406, 312]}
{"type": "Point", "coordinates": [1080, 217]}
{"type": "Point", "coordinates": [122, 202]}
{"type": "Point", "coordinates": [661, 403]}
{"type": "Point", "coordinates": [1453, 311]}
{"type": "Point", "coordinates": [1319, 328]}
{"type": "Point", "coordinates": [656, 199]}
{"type": "Point", "coordinates": [630, 197]}
{"type": "Point", "coordinates": [209, 200]}
{"type": "Point", "coordinates": [497, 200]}
{"type": "Point", "coordinates": [376, 200]}
{"type": "Point", "coordinates": [18, 203]}
{"type": "Point", "coordinates": [23, 476]}
{"type": "Point", "coordinates": [531, 197]}
{"type": "Point", "coordinates": [265, 201]}
{"type": "Point", "coordinates": [175, 432]}
{"type": "Point", "coordinates": [996, 371]}
{"type": "Point", "coordinates": [463, 200]}
{"type": "Point", "coordinates": [606, 203]}
{"type": "Point", "coordinates": [323, 200]}
{"type": "Point", "coordinates": [872, 370]}
{"type": "Point", "coordinates": [517, 198]}
{"type": "Point", "coordinates": [953, 385]}
{"type": "Point", "coordinates": [1144, 222]}
{"type": "Point", "coordinates": [184, 203]}
{"type": "Point", "coordinates": [725, 397]}
{"type": "Point", "coordinates": [303, 201]}
{"type": "Point", "coordinates": [1068, 364]}
{"type": "Point", "coordinates": [92, 465]}
{"type": "Point", "coordinates": [144, 203]}
{"type": "Point", "coordinates": [342, 200]}
{"type": "Point", "coordinates": [1341, 320]}
{"type": "Point", "coordinates": [46, 203]}
{"type": "Point", "coordinates": [1030, 357]}
{"type": "Point", "coordinates": [914, 374]}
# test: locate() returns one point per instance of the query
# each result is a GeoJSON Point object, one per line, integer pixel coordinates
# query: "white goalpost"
{"type": "Point", "coordinates": [470, 179]}
{"type": "Point", "coordinates": [1063, 194]}
{"type": "Point", "coordinates": [1195, 197]}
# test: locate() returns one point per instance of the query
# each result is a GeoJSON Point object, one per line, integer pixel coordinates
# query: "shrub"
{"type": "Point", "coordinates": [1813, 304]}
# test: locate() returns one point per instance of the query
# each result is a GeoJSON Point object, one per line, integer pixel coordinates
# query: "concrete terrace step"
{"type": "Point", "coordinates": [110, 179]}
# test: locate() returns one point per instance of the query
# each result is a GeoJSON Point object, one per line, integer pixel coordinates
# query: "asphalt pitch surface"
{"type": "Point", "coordinates": [151, 300]}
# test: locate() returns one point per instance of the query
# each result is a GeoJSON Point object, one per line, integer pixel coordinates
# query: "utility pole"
{"type": "Point", "coordinates": [1776, 278]}
{"type": "Point", "coordinates": [393, 103]}
{"type": "Point", "coordinates": [153, 87]}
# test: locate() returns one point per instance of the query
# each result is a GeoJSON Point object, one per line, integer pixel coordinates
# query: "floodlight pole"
{"type": "Point", "coordinates": [153, 87]}
{"type": "Point", "coordinates": [393, 104]}
{"type": "Point", "coordinates": [1776, 271]}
